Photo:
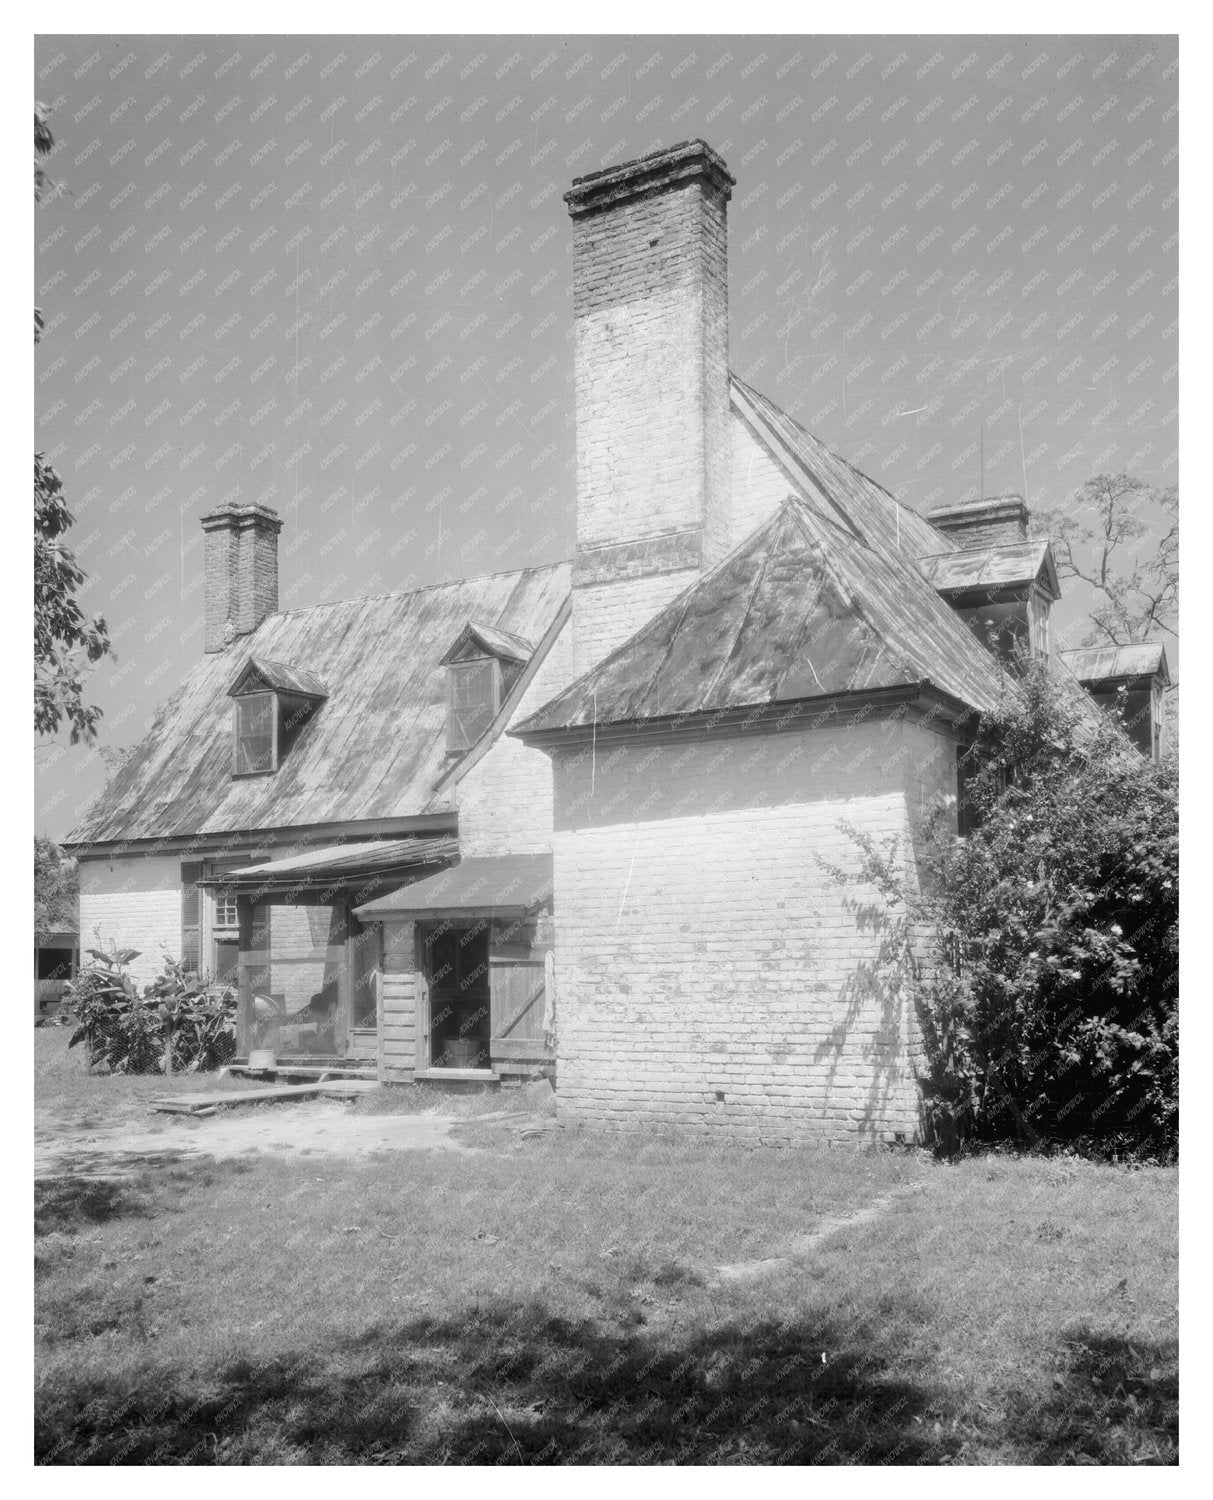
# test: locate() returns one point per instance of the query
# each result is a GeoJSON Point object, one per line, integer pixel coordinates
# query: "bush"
{"type": "Point", "coordinates": [127, 1032]}
{"type": "Point", "coordinates": [1051, 1011]}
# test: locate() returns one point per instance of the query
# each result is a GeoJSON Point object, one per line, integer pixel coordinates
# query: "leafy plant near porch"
{"type": "Point", "coordinates": [176, 1025]}
{"type": "Point", "coordinates": [1049, 1008]}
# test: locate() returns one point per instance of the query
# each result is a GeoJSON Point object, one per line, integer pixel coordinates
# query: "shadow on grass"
{"type": "Point", "coordinates": [512, 1384]}
{"type": "Point", "coordinates": [97, 1187]}
{"type": "Point", "coordinates": [1115, 1401]}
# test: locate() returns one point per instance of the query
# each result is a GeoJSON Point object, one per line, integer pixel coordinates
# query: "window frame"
{"type": "Point", "coordinates": [459, 743]}
{"type": "Point", "coordinates": [275, 714]}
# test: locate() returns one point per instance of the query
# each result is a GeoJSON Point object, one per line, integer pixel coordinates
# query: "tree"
{"type": "Point", "coordinates": [1051, 1012]}
{"type": "Point", "coordinates": [1121, 538]}
{"type": "Point", "coordinates": [64, 640]}
{"type": "Point", "coordinates": [56, 889]}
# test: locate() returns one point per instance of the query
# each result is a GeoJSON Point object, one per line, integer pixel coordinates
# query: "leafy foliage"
{"type": "Point", "coordinates": [1052, 1008]}
{"type": "Point", "coordinates": [64, 640]}
{"type": "Point", "coordinates": [56, 889]}
{"type": "Point", "coordinates": [126, 1031]}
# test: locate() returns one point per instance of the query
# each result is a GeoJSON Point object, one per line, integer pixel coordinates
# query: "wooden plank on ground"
{"type": "Point", "coordinates": [189, 1104]}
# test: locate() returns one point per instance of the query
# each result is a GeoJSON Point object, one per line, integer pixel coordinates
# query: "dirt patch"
{"type": "Point", "coordinates": [312, 1127]}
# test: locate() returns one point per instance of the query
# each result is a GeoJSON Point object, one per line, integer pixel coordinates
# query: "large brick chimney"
{"type": "Point", "coordinates": [650, 307]}
{"type": "Point", "coordinates": [991, 522]}
{"type": "Point", "coordinates": [241, 562]}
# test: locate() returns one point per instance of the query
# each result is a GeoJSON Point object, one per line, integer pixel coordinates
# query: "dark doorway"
{"type": "Point", "coordinates": [457, 972]}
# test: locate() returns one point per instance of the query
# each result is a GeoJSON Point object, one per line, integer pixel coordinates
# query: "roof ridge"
{"type": "Point", "coordinates": [839, 458]}
{"type": "Point", "coordinates": [448, 583]}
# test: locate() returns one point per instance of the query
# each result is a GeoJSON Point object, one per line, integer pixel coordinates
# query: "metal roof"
{"type": "Point", "coordinates": [999, 567]}
{"type": "Point", "coordinates": [279, 676]}
{"type": "Point", "coordinates": [489, 638]}
{"type": "Point", "coordinates": [337, 864]}
{"type": "Point", "coordinates": [372, 751]}
{"type": "Point", "coordinates": [509, 884]}
{"type": "Point", "coordinates": [1097, 663]}
{"type": "Point", "coordinates": [841, 490]}
{"type": "Point", "coordinates": [803, 609]}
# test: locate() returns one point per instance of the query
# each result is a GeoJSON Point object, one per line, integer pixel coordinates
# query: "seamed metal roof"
{"type": "Point", "coordinates": [1007, 566]}
{"type": "Point", "coordinates": [1098, 663]}
{"type": "Point", "coordinates": [373, 749]}
{"type": "Point", "coordinates": [337, 864]}
{"type": "Point", "coordinates": [502, 886]}
{"type": "Point", "coordinates": [259, 671]}
{"type": "Point", "coordinates": [803, 609]}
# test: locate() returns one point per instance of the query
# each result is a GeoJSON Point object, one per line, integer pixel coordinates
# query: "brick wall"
{"type": "Point", "coordinates": [759, 484]}
{"type": "Point", "coordinates": [711, 973]}
{"type": "Point", "coordinates": [240, 561]}
{"type": "Point", "coordinates": [505, 800]}
{"type": "Point", "coordinates": [606, 615]}
{"type": "Point", "coordinates": [650, 303]}
{"type": "Point", "coordinates": [135, 902]}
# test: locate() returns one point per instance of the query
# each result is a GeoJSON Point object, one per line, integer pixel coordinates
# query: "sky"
{"type": "Point", "coordinates": [332, 275]}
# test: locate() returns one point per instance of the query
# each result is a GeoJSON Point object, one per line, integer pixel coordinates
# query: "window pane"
{"type": "Point", "coordinates": [473, 700]}
{"type": "Point", "coordinates": [255, 733]}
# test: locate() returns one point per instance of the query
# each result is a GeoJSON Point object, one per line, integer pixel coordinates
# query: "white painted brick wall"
{"type": "Point", "coordinates": [505, 801]}
{"type": "Point", "coordinates": [759, 485]}
{"type": "Point", "coordinates": [134, 901]}
{"type": "Point", "coordinates": [702, 949]}
{"type": "Point", "coordinates": [606, 615]}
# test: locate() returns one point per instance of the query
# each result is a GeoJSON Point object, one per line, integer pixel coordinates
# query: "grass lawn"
{"type": "Point", "coordinates": [557, 1300]}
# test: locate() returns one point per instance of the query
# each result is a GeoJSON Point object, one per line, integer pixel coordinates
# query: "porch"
{"type": "Point", "coordinates": [386, 960]}
{"type": "Point", "coordinates": [467, 992]}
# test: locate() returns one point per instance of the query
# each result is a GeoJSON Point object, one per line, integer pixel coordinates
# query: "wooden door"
{"type": "Point", "coordinates": [518, 995]}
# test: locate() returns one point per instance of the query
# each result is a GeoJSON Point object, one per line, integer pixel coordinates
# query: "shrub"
{"type": "Point", "coordinates": [127, 1032]}
{"type": "Point", "coordinates": [1051, 1010]}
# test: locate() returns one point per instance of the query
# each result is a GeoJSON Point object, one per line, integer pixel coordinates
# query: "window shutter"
{"type": "Point", "coordinates": [191, 929]}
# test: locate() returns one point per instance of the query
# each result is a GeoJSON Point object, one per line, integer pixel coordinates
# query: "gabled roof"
{"type": "Point", "coordinates": [841, 491]}
{"type": "Point", "coordinates": [259, 672]}
{"type": "Point", "coordinates": [1009, 565]}
{"type": "Point", "coordinates": [802, 609]}
{"type": "Point", "coordinates": [492, 640]}
{"type": "Point", "coordinates": [375, 751]}
{"type": "Point", "coordinates": [1092, 664]}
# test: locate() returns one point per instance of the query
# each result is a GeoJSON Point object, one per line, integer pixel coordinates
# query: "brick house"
{"type": "Point", "coordinates": [582, 818]}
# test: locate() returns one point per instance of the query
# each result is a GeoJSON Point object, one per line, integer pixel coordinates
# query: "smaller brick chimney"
{"type": "Point", "coordinates": [991, 522]}
{"type": "Point", "coordinates": [241, 561]}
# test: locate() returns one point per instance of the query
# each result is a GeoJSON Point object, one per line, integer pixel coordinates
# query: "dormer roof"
{"type": "Point", "coordinates": [1093, 664]}
{"type": "Point", "coordinates": [260, 674]}
{"type": "Point", "coordinates": [990, 569]}
{"type": "Point", "coordinates": [491, 641]}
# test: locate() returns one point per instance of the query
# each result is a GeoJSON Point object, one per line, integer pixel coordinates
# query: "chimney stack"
{"type": "Point", "coordinates": [650, 309]}
{"type": "Point", "coordinates": [241, 563]}
{"type": "Point", "coordinates": [992, 522]}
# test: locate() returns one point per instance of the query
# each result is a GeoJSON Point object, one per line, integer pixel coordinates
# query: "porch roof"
{"type": "Point", "coordinates": [505, 885]}
{"type": "Point", "coordinates": [337, 865]}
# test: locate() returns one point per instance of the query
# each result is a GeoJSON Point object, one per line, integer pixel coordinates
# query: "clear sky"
{"type": "Point", "coordinates": [333, 275]}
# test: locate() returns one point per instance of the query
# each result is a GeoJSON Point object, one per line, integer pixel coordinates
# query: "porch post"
{"type": "Point", "coordinates": [244, 976]}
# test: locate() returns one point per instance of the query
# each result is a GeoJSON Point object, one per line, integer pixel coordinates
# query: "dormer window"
{"type": "Point", "coordinates": [272, 703]}
{"type": "Point", "coordinates": [473, 698]}
{"type": "Point", "coordinates": [482, 665]}
{"type": "Point", "coordinates": [1003, 593]}
{"type": "Point", "coordinates": [256, 734]}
